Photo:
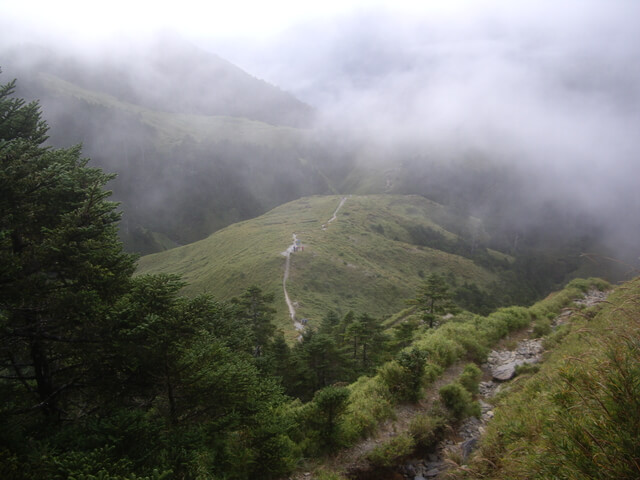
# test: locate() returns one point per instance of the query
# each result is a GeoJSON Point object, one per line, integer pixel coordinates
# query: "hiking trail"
{"type": "Point", "coordinates": [287, 266]}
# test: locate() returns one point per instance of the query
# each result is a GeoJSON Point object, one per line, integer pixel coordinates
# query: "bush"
{"type": "Point", "coordinates": [324, 475]}
{"type": "Point", "coordinates": [459, 401]}
{"type": "Point", "coordinates": [431, 372]}
{"type": "Point", "coordinates": [541, 327]}
{"type": "Point", "coordinates": [388, 454]}
{"type": "Point", "coordinates": [329, 405]}
{"type": "Point", "coordinates": [370, 403]}
{"type": "Point", "coordinates": [395, 378]}
{"type": "Point", "coordinates": [469, 337]}
{"type": "Point", "coordinates": [442, 351]}
{"type": "Point", "coordinates": [470, 378]}
{"type": "Point", "coordinates": [426, 429]}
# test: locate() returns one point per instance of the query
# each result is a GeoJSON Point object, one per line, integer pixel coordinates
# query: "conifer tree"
{"type": "Point", "coordinates": [256, 310]}
{"type": "Point", "coordinates": [434, 298]}
{"type": "Point", "coordinates": [60, 256]}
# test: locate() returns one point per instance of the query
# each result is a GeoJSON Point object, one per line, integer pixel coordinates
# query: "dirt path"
{"type": "Point", "coordinates": [287, 266]}
{"type": "Point", "coordinates": [335, 214]}
{"type": "Point", "coordinates": [354, 458]}
{"type": "Point", "coordinates": [352, 461]}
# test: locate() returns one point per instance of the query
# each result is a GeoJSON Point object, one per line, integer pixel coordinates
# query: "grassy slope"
{"type": "Point", "coordinates": [172, 127]}
{"type": "Point", "coordinates": [350, 265]}
{"type": "Point", "coordinates": [578, 416]}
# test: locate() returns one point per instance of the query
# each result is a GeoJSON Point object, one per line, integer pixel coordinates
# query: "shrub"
{"type": "Point", "coordinates": [324, 475]}
{"type": "Point", "coordinates": [394, 377]}
{"type": "Point", "coordinates": [541, 327]}
{"type": "Point", "coordinates": [431, 372]}
{"type": "Point", "coordinates": [370, 404]}
{"type": "Point", "coordinates": [469, 337]}
{"type": "Point", "coordinates": [459, 401]}
{"type": "Point", "coordinates": [442, 351]}
{"type": "Point", "coordinates": [323, 419]}
{"type": "Point", "coordinates": [388, 454]}
{"type": "Point", "coordinates": [426, 429]}
{"type": "Point", "coordinates": [470, 378]}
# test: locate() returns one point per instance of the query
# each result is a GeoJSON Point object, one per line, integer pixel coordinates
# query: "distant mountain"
{"type": "Point", "coordinates": [167, 74]}
{"type": "Point", "coordinates": [187, 133]}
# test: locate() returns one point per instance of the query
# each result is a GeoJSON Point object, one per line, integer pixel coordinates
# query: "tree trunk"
{"type": "Point", "coordinates": [44, 381]}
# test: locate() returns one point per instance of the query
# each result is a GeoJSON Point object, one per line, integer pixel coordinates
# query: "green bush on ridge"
{"type": "Point", "coordinates": [373, 398]}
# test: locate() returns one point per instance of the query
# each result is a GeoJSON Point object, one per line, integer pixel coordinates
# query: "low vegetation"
{"type": "Point", "coordinates": [576, 416]}
{"type": "Point", "coordinates": [108, 375]}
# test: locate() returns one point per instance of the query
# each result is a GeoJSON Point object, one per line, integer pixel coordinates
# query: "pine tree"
{"type": "Point", "coordinates": [255, 309]}
{"type": "Point", "coordinates": [434, 298]}
{"type": "Point", "coordinates": [61, 260]}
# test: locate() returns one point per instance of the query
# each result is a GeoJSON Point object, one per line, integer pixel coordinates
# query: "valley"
{"type": "Point", "coordinates": [424, 270]}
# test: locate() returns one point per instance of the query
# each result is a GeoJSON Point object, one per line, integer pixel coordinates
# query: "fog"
{"type": "Point", "coordinates": [550, 90]}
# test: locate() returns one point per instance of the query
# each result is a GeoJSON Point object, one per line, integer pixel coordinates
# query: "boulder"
{"type": "Point", "coordinates": [504, 372]}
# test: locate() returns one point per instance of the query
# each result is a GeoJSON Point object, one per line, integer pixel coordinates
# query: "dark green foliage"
{"type": "Point", "coordinates": [426, 429]}
{"type": "Point", "coordinates": [318, 362]}
{"type": "Point", "coordinates": [364, 337]}
{"type": "Point", "coordinates": [470, 297]}
{"type": "Point", "coordinates": [254, 308]}
{"type": "Point", "coordinates": [405, 376]}
{"type": "Point", "coordinates": [403, 333]}
{"type": "Point", "coordinates": [339, 351]}
{"type": "Point", "coordinates": [327, 407]}
{"type": "Point", "coordinates": [459, 401]}
{"type": "Point", "coordinates": [468, 248]}
{"type": "Point", "coordinates": [433, 299]}
{"type": "Point", "coordinates": [108, 376]}
{"type": "Point", "coordinates": [62, 262]}
{"type": "Point", "coordinates": [470, 378]}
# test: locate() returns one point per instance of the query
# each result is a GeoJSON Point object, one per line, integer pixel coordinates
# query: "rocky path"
{"type": "Point", "coordinates": [500, 367]}
{"type": "Point", "coordinates": [287, 266]}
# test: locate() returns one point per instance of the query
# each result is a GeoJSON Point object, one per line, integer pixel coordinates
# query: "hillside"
{"type": "Point", "coordinates": [186, 165]}
{"type": "Point", "coordinates": [166, 72]}
{"type": "Point", "coordinates": [578, 415]}
{"type": "Point", "coordinates": [367, 260]}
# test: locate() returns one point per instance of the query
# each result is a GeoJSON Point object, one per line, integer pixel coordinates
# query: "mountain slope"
{"type": "Point", "coordinates": [183, 172]}
{"type": "Point", "coordinates": [366, 260]}
{"type": "Point", "coordinates": [167, 73]}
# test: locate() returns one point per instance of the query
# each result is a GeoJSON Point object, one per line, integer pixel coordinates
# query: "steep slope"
{"type": "Point", "coordinates": [185, 167]}
{"type": "Point", "coordinates": [367, 259]}
{"type": "Point", "coordinates": [577, 417]}
{"type": "Point", "coordinates": [167, 73]}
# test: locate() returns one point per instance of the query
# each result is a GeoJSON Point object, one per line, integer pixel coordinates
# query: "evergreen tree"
{"type": "Point", "coordinates": [62, 264]}
{"type": "Point", "coordinates": [254, 308]}
{"type": "Point", "coordinates": [434, 299]}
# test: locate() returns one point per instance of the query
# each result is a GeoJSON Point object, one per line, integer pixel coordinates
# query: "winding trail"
{"type": "Point", "coordinates": [335, 214]}
{"type": "Point", "coordinates": [287, 266]}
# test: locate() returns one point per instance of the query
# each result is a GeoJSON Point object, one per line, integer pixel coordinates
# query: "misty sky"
{"type": "Point", "coordinates": [79, 19]}
{"type": "Point", "coordinates": [550, 86]}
